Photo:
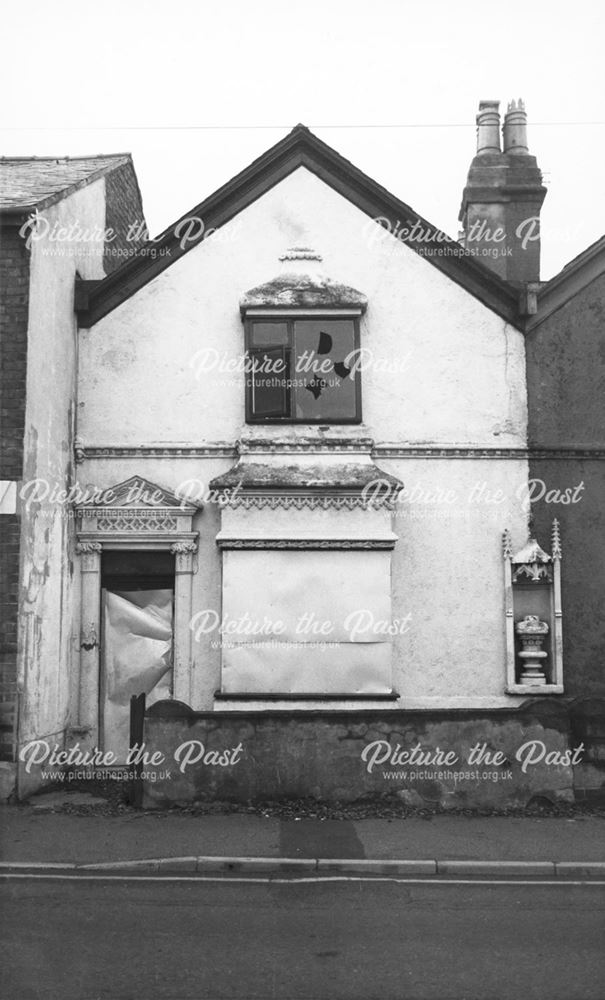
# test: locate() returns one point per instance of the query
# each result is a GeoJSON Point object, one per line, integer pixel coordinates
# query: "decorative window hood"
{"type": "Point", "coordinates": [302, 285]}
{"type": "Point", "coordinates": [303, 291]}
{"type": "Point", "coordinates": [307, 470]}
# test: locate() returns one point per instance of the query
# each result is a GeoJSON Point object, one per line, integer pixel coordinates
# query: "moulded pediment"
{"type": "Point", "coordinates": [137, 513]}
{"type": "Point", "coordinates": [137, 492]}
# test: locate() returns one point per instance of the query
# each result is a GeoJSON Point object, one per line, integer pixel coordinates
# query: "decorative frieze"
{"type": "Point", "coordinates": [222, 449]}
{"type": "Point", "coordinates": [302, 501]}
{"type": "Point", "coordinates": [137, 522]}
{"type": "Point", "coordinates": [305, 444]}
{"type": "Point", "coordinates": [405, 451]}
{"type": "Point", "coordinates": [308, 544]}
{"type": "Point", "coordinates": [219, 449]}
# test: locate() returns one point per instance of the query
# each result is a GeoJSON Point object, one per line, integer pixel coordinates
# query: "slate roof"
{"type": "Point", "coordinates": [39, 181]}
{"type": "Point", "coordinates": [588, 266]}
{"type": "Point", "coordinates": [576, 262]}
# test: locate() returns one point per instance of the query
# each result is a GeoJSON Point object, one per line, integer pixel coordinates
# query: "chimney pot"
{"type": "Point", "coordinates": [488, 127]}
{"type": "Point", "coordinates": [514, 130]}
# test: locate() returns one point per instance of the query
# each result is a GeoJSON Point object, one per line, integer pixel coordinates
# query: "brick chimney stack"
{"type": "Point", "coordinates": [500, 211]}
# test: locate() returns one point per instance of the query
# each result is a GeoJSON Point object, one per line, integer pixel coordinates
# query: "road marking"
{"type": "Point", "coordinates": [289, 881]}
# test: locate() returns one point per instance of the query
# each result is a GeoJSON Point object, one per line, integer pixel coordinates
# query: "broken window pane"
{"type": "Point", "coordinates": [324, 353]}
{"type": "Point", "coordinates": [316, 382]}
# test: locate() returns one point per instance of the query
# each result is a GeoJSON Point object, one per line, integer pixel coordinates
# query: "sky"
{"type": "Point", "coordinates": [196, 90]}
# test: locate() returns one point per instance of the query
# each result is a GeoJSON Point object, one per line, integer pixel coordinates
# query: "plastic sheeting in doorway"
{"type": "Point", "coordinates": [137, 658]}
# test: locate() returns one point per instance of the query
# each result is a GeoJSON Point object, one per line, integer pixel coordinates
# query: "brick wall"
{"type": "Point", "coordinates": [124, 209]}
{"type": "Point", "coordinates": [566, 386]}
{"type": "Point", "coordinates": [14, 282]}
{"type": "Point", "coordinates": [10, 529]}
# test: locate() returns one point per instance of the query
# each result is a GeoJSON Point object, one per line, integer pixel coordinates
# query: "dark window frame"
{"type": "Point", "coordinates": [289, 320]}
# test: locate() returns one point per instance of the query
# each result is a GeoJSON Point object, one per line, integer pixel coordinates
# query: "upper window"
{"type": "Point", "coordinates": [303, 370]}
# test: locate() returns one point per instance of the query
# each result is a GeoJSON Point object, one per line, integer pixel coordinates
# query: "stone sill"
{"type": "Point", "coordinates": [535, 689]}
{"type": "Point", "coordinates": [302, 702]}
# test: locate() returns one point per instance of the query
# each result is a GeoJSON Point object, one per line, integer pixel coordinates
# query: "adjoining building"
{"type": "Point", "coordinates": [59, 218]}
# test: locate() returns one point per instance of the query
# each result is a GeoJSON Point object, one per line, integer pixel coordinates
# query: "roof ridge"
{"type": "Point", "coordinates": [63, 159]}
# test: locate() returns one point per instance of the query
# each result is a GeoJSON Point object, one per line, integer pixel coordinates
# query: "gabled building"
{"type": "Point", "coordinates": [303, 480]}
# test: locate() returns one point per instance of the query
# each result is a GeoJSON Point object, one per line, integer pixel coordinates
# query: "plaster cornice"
{"type": "Point", "coordinates": [224, 449]}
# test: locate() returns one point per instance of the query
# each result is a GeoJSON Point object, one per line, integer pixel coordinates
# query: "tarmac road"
{"type": "Point", "coordinates": [194, 939]}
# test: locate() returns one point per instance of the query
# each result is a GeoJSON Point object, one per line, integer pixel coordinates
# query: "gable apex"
{"type": "Point", "coordinates": [300, 148]}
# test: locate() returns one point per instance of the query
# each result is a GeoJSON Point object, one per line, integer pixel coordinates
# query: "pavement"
{"type": "Point", "coordinates": [39, 835]}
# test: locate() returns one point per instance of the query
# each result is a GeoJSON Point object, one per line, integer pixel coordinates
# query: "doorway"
{"type": "Point", "coordinates": [137, 638]}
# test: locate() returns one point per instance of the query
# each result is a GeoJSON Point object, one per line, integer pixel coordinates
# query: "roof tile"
{"type": "Point", "coordinates": [26, 182]}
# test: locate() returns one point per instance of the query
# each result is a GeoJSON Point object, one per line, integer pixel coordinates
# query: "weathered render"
{"type": "Point", "coordinates": [288, 574]}
{"type": "Point", "coordinates": [57, 213]}
{"type": "Point", "coordinates": [455, 377]}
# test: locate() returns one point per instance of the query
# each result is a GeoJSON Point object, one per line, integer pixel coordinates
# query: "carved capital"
{"type": "Point", "coordinates": [182, 548]}
{"type": "Point", "coordinates": [86, 548]}
{"type": "Point", "coordinates": [90, 553]}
